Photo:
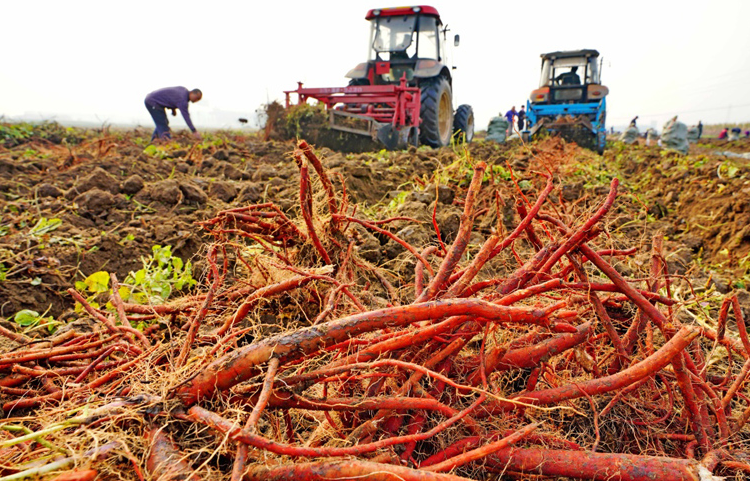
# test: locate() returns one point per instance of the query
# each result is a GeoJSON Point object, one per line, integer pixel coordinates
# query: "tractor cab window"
{"type": "Point", "coordinates": [428, 38]}
{"type": "Point", "coordinates": [567, 72]}
{"type": "Point", "coordinates": [394, 37]}
{"type": "Point", "coordinates": [592, 76]}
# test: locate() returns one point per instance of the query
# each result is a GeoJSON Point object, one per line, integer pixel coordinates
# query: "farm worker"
{"type": "Point", "coordinates": [171, 98]}
{"type": "Point", "coordinates": [509, 115]}
{"type": "Point", "coordinates": [724, 133]}
{"type": "Point", "coordinates": [632, 122]}
{"type": "Point", "coordinates": [569, 78]}
{"type": "Point", "coordinates": [700, 129]}
{"type": "Point", "coordinates": [521, 118]}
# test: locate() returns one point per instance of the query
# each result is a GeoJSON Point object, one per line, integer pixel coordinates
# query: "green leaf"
{"type": "Point", "coordinates": [26, 317]}
{"type": "Point", "coordinates": [162, 254]}
{"type": "Point", "coordinates": [36, 281]}
{"type": "Point", "coordinates": [98, 282]}
{"type": "Point", "coordinates": [44, 226]}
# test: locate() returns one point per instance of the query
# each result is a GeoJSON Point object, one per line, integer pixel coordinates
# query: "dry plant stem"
{"type": "Point", "coordinates": [692, 407]}
{"type": "Point", "coordinates": [213, 420]}
{"type": "Point", "coordinates": [456, 250]}
{"type": "Point", "coordinates": [14, 336]}
{"type": "Point", "coordinates": [13, 380]}
{"type": "Point", "coordinates": [305, 198]}
{"type": "Point", "coordinates": [262, 293]}
{"type": "Point", "coordinates": [458, 288]}
{"type": "Point", "coordinates": [117, 302]}
{"type": "Point", "coordinates": [318, 166]}
{"type": "Point", "coordinates": [582, 232]}
{"type": "Point", "coordinates": [93, 312]}
{"type": "Point", "coordinates": [741, 328]}
{"type": "Point", "coordinates": [657, 269]}
{"type": "Point", "coordinates": [601, 312]}
{"type": "Point", "coordinates": [600, 466]}
{"type": "Point", "coordinates": [530, 356]}
{"type": "Point", "coordinates": [348, 469]}
{"type": "Point", "coordinates": [737, 466]}
{"type": "Point", "coordinates": [419, 271]}
{"type": "Point", "coordinates": [408, 338]}
{"type": "Point", "coordinates": [530, 232]}
{"type": "Point", "coordinates": [203, 311]}
{"type": "Point", "coordinates": [602, 287]}
{"type": "Point", "coordinates": [736, 385]}
{"type": "Point", "coordinates": [526, 222]}
{"type": "Point", "coordinates": [164, 460]}
{"type": "Point", "coordinates": [289, 400]}
{"type": "Point", "coordinates": [63, 371]}
{"type": "Point", "coordinates": [31, 402]}
{"type": "Point", "coordinates": [390, 235]}
{"type": "Point", "coordinates": [239, 365]}
{"type": "Point", "coordinates": [370, 426]}
{"type": "Point", "coordinates": [106, 321]}
{"type": "Point", "coordinates": [90, 455]}
{"type": "Point", "coordinates": [649, 366]}
{"type": "Point", "coordinates": [19, 357]}
{"type": "Point", "coordinates": [238, 468]}
{"type": "Point", "coordinates": [721, 419]}
{"type": "Point", "coordinates": [658, 318]}
{"type": "Point", "coordinates": [526, 272]}
{"type": "Point", "coordinates": [78, 475]}
{"type": "Point", "coordinates": [482, 452]}
{"type": "Point", "coordinates": [98, 360]}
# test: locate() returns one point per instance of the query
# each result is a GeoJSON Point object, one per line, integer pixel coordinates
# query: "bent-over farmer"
{"type": "Point", "coordinates": [171, 98]}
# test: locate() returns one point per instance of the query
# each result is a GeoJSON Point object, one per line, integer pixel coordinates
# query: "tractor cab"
{"type": "Point", "coordinates": [569, 77]}
{"type": "Point", "coordinates": [403, 41]}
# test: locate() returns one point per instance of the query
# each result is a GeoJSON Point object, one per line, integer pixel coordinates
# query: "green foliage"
{"type": "Point", "coordinates": [397, 201]}
{"type": "Point", "coordinates": [3, 272]}
{"type": "Point", "coordinates": [96, 283]}
{"type": "Point", "coordinates": [296, 117]}
{"type": "Point", "coordinates": [13, 134]}
{"type": "Point", "coordinates": [743, 282]}
{"type": "Point", "coordinates": [154, 151]}
{"type": "Point", "coordinates": [44, 226]}
{"type": "Point", "coordinates": [162, 273]}
{"type": "Point", "coordinates": [31, 319]}
{"type": "Point", "coordinates": [498, 171]}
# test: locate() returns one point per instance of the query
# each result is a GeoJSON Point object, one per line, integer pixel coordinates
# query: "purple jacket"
{"type": "Point", "coordinates": [509, 115]}
{"type": "Point", "coordinates": [172, 98]}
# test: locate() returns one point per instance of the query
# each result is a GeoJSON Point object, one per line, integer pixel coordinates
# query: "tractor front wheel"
{"type": "Point", "coordinates": [436, 114]}
{"type": "Point", "coordinates": [463, 124]}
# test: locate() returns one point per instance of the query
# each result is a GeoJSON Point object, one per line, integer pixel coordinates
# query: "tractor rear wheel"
{"type": "Point", "coordinates": [436, 113]}
{"type": "Point", "coordinates": [463, 124]}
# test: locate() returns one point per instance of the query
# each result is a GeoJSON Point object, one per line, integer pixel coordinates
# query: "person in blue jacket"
{"type": "Point", "coordinates": [173, 98]}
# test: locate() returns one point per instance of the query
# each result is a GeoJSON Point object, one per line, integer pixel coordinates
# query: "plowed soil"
{"type": "Point", "coordinates": [116, 198]}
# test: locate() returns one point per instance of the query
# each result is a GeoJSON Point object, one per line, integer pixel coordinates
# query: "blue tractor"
{"type": "Point", "coordinates": [570, 100]}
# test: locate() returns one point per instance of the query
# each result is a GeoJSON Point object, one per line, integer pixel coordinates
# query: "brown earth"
{"type": "Point", "coordinates": [97, 200]}
{"type": "Point", "coordinates": [116, 199]}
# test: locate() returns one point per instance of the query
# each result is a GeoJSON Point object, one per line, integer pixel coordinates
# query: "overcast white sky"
{"type": "Point", "coordinates": [96, 60]}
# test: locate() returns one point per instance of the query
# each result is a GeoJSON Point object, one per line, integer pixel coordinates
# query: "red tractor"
{"type": "Point", "coordinates": [403, 94]}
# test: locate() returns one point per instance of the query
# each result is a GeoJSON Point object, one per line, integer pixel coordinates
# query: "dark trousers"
{"type": "Point", "coordinates": [160, 119]}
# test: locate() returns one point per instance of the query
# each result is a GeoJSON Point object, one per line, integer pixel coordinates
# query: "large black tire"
{"type": "Point", "coordinates": [463, 124]}
{"type": "Point", "coordinates": [436, 114]}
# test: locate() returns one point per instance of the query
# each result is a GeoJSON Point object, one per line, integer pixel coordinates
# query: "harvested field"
{"type": "Point", "coordinates": [241, 309]}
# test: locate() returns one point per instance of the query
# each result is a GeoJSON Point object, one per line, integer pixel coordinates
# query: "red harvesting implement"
{"type": "Point", "coordinates": [402, 95]}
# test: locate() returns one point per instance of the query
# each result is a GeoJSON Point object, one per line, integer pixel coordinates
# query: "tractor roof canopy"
{"type": "Point", "coordinates": [570, 54]}
{"type": "Point", "coordinates": [390, 12]}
